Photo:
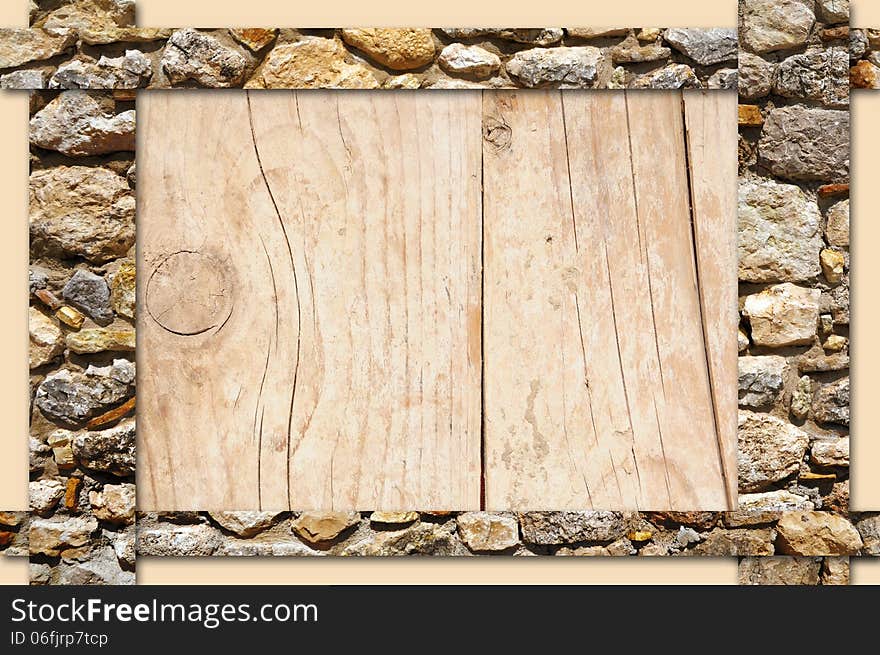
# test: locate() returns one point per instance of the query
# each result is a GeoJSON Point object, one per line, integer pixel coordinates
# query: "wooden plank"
{"type": "Point", "coordinates": [712, 143]}
{"type": "Point", "coordinates": [326, 353]}
{"type": "Point", "coordinates": [596, 385]}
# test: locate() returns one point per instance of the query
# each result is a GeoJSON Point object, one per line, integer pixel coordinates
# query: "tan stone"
{"type": "Point", "coordinates": [865, 75]}
{"type": "Point", "coordinates": [51, 536]}
{"type": "Point", "coordinates": [817, 533]}
{"type": "Point", "coordinates": [750, 116]}
{"type": "Point", "coordinates": [115, 503]}
{"type": "Point", "coordinates": [597, 32]}
{"type": "Point", "coordinates": [21, 46]}
{"type": "Point", "coordinates": [98, 340]}
{"type": "Point", "coordinates": [832, 262]}
{"type": "Point", "coordinates": [123, 288]}
{"type": "Point", "coordinates": [837, 227]}
{"type": "Point", "coordinates": [317, 527]}
{"type": "Point", "coordinates": [835, 571]}
{"type": "Point", "coordinates": [254, 38]}
{"type": "Point", "coordinates": [405, 81]}
{"type": "Point", "coordinates": [783, 315]}
{"type": "Point", "coordinates": [62, 449]}
{"type": "Point", "coordinates": [71, 493]}
{"type": "Point", "coordinates": [830, 453]}
{"type": "Point", "coordinates": [393, 518]}
{"type": "Point", "coordinates": [11, 519]}
{"type": "Point", "coordinates": [767, 507]}
{"type": "Point", "coordinates": [70, 317]}
{"type": "Point", "coordinates": [396, 48]}
{"type": "Point", "coordinates": [484, 531]}
{"type": "Point", "coordinates": [779, 571]}
{"type": "Point", "coordinates": [45, 494]}
{"type": "Point", "coordinates": [46, 341]}
{"type": "Point", "coordinates": [246, 524]}
{"type": "Point", "coordinates": [835, 343]}
{"type": "Point", "coordinates": [312, 63]}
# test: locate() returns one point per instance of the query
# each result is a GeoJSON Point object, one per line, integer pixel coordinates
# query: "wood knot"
{"type": "Point", "coordinates": [497, 132]}
{"type": "Point", "coordinates": [187, 293]}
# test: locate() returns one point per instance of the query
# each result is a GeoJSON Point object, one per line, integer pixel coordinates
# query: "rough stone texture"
{"type": "Point", "coordinates": [109, 451]}
{"type": "Point", "coordinates": [833, 263]}
{"type": "Point", "coordinates": [178, 541]}
{"type": "Point", "coordinates": [869, 529]}
{"type": "Point", "coordinates": [704, 46]}
{"type": "Point", "coordinates": [254, 39]}
{"type": "Point", "coordinates": [472, 61]}
{"type": "Point", "coordinates": [837, 225]}
{"type": "Point", "coordinates": [631, 51]}
{"type": "Point", "coordinates": [70, 397]}
{"type": "Point", "coordinates": [815, 75]}
{"type": "Point", "coordinates": [398, 49]}
{"type": "Point", "coordinates": [779, 571]}
{"type": "Point", "coordinates": [563, 67]}
{"type": "Point", "coordinates": [129, 71]}
{"type": "Point", "coordinates": [769, 25]}
{"type": "Point", "coordinates": [114, 504]}
{"type": "Point", "coordinates": [45, 494]}
{"type": "Point", "coordinates": [79, 211]}
{"type": "Point", "coordinates": [54, 535]}
{"type": "Point", "coordinates": [831, 403]}
{"type": "Point", "coordinates": [317, 527]}
{"type": "Point", "coordinates": [312, 63]}
{"type": "Point", "coordinates": [89, 293]}
{"type": "Point", "coordinates": [76, 124]}
{"type": "Point", "coordinates": [571, 527]}
{"type": "Point", "coordinates": [761, 379]}
{"type": "Point", "coordinates": [817, 533]}
{"type": "Point", "coordinates": [20, 46]}
{"type": "Point", "coordinates": [192, 55]}
{"type": "Point", "coordinates": [246, 524]}
{"type": "Point", "coordinates": [833, 11]}
{"type": "Point", "coordinates": [770, 450]}
{"type": "Point", "coordinates": [46, 338]}
{"type": "Point", "coordinates": [802, 398]}
{"type": "Point", "coordinates": [483, 531]}
{"type": "Point", "coordinates": [865, 74]}
{"type": "Point", "coordinates": [779, 233]}
{"type": "Point", "coordinates": [673, 76]}
{"type": "Point", "coordinates": [803, 143]}
{"type": "Point", "coordinates": [394, 518]}
{"type": "Point", "coordinates": [755, 76]}
{"type": "Point", "coordinates": [783, 315]}
{"type": "Point", "coordinates": [101, 340]}
{"type": "Point", "coordinates": [23, 79]}
{"type": "Point", "coordinates": [830, 453]}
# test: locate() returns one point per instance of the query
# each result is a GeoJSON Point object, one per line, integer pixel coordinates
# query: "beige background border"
{"type": "Point", "coordinates": [13, 260]}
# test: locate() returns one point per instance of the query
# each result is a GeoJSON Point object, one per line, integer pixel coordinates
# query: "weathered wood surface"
{"type": "Point", "coordinates": [333, 304]}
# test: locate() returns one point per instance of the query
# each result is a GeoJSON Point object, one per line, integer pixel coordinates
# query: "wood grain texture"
{"type": "Point", "coordinates": [596, 386]}
{"type": "Point", "coordinates": [357, 300]}
{"type": "Point", "coordinates": [339, 368]}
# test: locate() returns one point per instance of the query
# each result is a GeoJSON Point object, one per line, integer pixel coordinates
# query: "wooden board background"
{"type": "Point", "coordinates": [445, 300]}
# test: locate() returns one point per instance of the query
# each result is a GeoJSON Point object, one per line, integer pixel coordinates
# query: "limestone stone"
{"type": "Point", "coordinates": [596, 32]}
{"type": "Point", "coordinates": [90, 293]}
{"type": "Point", "coordinates": [405, 81]}
{"type": "Point", "coordinates": [101, 340]}
{"type": "Point", "coordinates": [394, 518]}
{"type": "Point", "coordinates": [869, 529]}
{"type": "Point", "coordinates": [835, 343]}
{"type": "Point", "coordinates": [76, 125]}
{"type": "Point", "coordinates": [11, 519]}
{"type": "Point", "coordinates": [109, 451]}
{"type": "Point", "coordinates": [705, 46]}
{"type": "Point", "coordinates": [725, 78]}
{"type": "Point", "coordinates": [837, 225]}
{"type": "Point", "coordinates": [538, 36]}
{"type": "Point", "coordinates": [749, 116]}
{"type": "Point", "coordinates": [631, 51]}
{"type": "Point", "coordinates": [742, 340]}
{"type": "Point", "coordinates": [783, 315]}
{"type": "Point", "coordinates": [858, 44]}
{"type": "Point", "coordinates": [254, 38]}
{"type": "Point", "coordinates": [473, 61]}
{"type": "Point", "coordinates": [766, 507]}
{"type": "Point", "coordinates": [484, 531]}
{"type": "Point", "coordinates": [194, 55]}
{"type": "Point", "coordinates": [317, 527]}
{"type": "Point", "coordinates": [311, 63]}
{"type": "Point", "coordinates": [865, 75]}
{"type": "Point", "coordinates": [779, 571]}
{"type": "Point", "coordinates": [564, 67]}
{"type": "Point", "coordinates": [123, 297]}
{"type": "Point", "coordinates": [649, 34]}
{"type": "Point", "coordinates": [831, 403]}
{"type": "Point", "coordinates": [778, 231]}
{"type": "Point", "coordinates": [833, 262]}
{"type": "Point", "coordinates": [761, 379]}
{"type": "Point", "coordinates": [830, 453]}
{"type": "Point", "coordinates": [817, 533]}
{"type": "Point", "coordinates": [46, 339]}
{"type": "Point", "coordinates": [673, 76]}
{"type": "Point", "coordinates": [448, 83]}
{"type": "Point", "coordinates": [70, 317]}
{"type": "Point", "coordinates": [81, 14]}
{"type": "Point", "coordinates": [246, 524]}
{"type": "Point", "coordinates": [123, 35]}
{"type": "Point", "coordinates": [755, 76]}
{"type": "Point", "coordinates": [802, 398]}
{"type": "Point", "coordinates": [115, 503]}
{"type": "Point", "coordinates": [130, 71]}
{"type": "Point", "coordinates": [53, 535]}
{"type": "Point", "coordinates": [101, 568]}
{"type": "Point", "coordinates": [833, 11]}
{"type": "Point", "coordinates": [22, 46]}
{"type": "Point", "coordinates": [395, 48]}
{"type": "Point", "coordinates": [45, 494]}
{"type": "Point", "coordinates": [71, 397]}
{"type": "Point", "coordinates": [835, 571]}
{"type": "Point", "coordinates": [24, 79]}
{"type": "Point", "coordinates": [60, 442]}
{"type": "Point", "coordinates": [819, 75]}
{"type": "Point", "coordinates": [548, 528]}
{"type": "Point", "coordinates": [722, 542]}
{"type": "Point", "coordinates": [770, 450]}
{"type": "Point", "coordinates": [169, 540]}
{"type": "Point", "coordinates": [81, 211]}
{"type": "Point", "coordinates": [804, 143]}
{"type": "Point", "coordinates": [770, 25]}
{"type": "Point", "coordinates": [417, 539]}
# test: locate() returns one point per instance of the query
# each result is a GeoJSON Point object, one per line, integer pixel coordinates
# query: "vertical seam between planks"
{"type": "Point", "coordinates": [728, 493]}
{"type": "Point", "coordinates": [482, 307]}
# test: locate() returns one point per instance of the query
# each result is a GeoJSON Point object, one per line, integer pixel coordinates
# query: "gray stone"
{"type": "Point", "coordinates": [783, 315]}
{"type": "Point", "coordinates": [37, 279]}
{"type": "Point", "coordinates": [726, 78]}
{"type": "Point", "coordinates": [193, 55]}
{"type": "Point", "coordinates": [705, 46]}
{"type": "Point", "coordinates": [761, 380]}
{"type": "Point", "coordinates": [755, 76]}
{"type": "Point", "coordinates": [246, 524]}
{"type": "Point", "coordinates": [90, 293]}
{"type": "Point", "coordinates": [837, 226]}
{"type": "Point", "coordinates": [722, 542]}
{"type": "Point", "coordinates": [779, 233]}
{"type": "Point", "coordinates": [76, 125]}
{"type": "Point", "coordinates": [631, 51]}
{"type": "Point", "coordinates": [26, 79]}
{"type": "Point", "coordinates": [45, 494]}
{"type": "Point", "coordinates": [418, 539]}
{"type": "Point", "coordinates": [833, 11]}
{"type": "Point", "coordinates": [101, 568]}
{"type": "Point", "coordinates": [71, 397]}
{"type": "Point", "coordinates": [830, 453]}
{"type": "Point", "coordinates": [820, 75]}
{"type": "Point", "coordinates": [802, 398]}
{"type": "Point", "coordinates": [858, 44]}
{"type": "Point", "coordinates": [769, 25]}
{"type": "Point", "coordinates": [673, 76]}
{"type": "Point", "coordinates": [549, 528]}
{"type": "Point", "coordinates": [779, 571]}
{"type": "Point", "coordinates": [472, 61]}
{"type": "Point", "coordinates": [563, 67]}
{"type": "Point", "coordinates": [129, 71]}
{"type": "Point", "coordinates": [81, 211]}
{"type": "Point", "coordinates": [869, 529]}
{"type": "Point", "coordinates": [124, 543]}
{"type": "Point", "coordinates": [109, 451]}
{"type": "Point", "coordinates": [770, 450]}
{"type": "Point", "coordinates": [765, 507]}
{"type": "Point", "coordinates": [802, 143]}
{"type": "Point", "coordinates": [831, 404]}
{"type": "Point", "coordinates": [168, 540]}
